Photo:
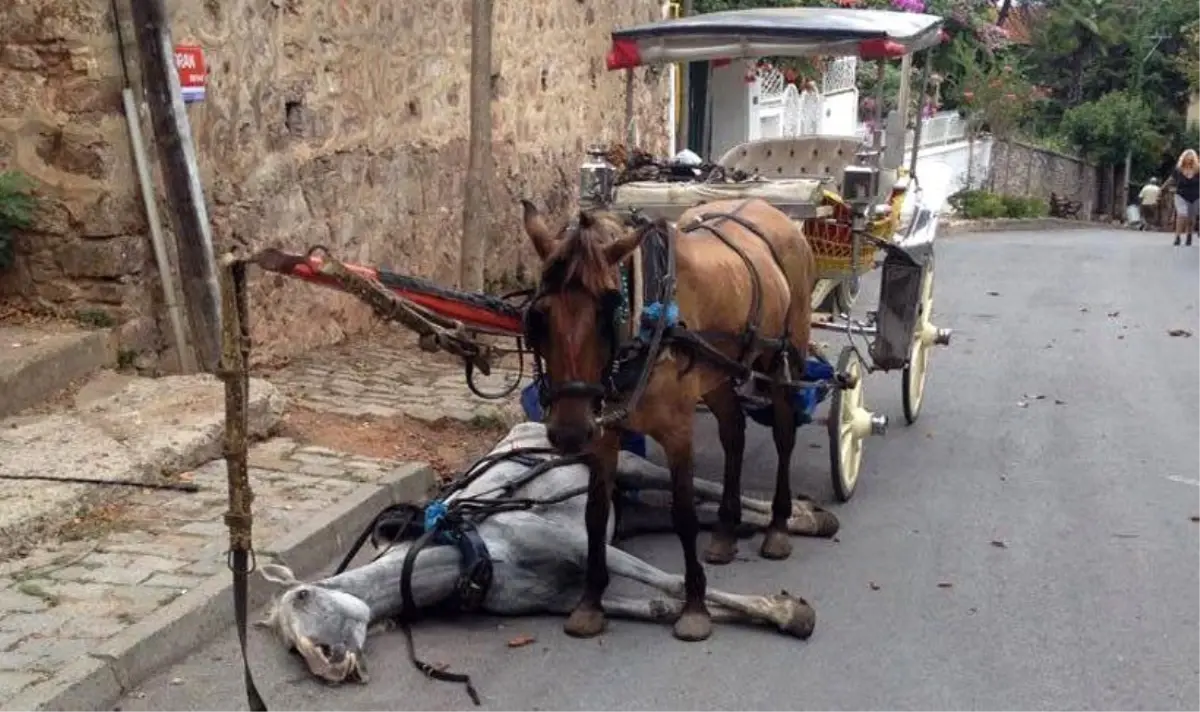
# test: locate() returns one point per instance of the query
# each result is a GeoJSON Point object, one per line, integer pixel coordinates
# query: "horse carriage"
{"type": "Point", "coordinates": [784, 229]}
{"type": "Point", "coordinates": [855, 200]}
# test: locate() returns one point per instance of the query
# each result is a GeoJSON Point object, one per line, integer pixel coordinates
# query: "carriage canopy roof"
{"type": "Point", "coordinates": [774, 32]}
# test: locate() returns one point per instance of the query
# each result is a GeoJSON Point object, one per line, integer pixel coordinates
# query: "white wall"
{"type": "Point", "coordinates": [952, 158]}
{"type": "Point", "coordinates": [839, 113]}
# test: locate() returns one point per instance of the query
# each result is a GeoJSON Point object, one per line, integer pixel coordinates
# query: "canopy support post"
{"type": "Point", "coordinates": [877, 139]}
{"type": "Point", "coordinates": [924, 85]}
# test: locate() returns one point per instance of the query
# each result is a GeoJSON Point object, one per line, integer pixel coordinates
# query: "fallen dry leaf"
{"type": "Point", "coordinates": [1179, 332]}
{"type": "Point", "coordinates": [999, 544]}
{"type": "Point", "coordinates": [874, 586]}
{"type": "Point", "coordinates": [1114, 313]}
{"type": "Point", "coordinates": [1083, 309]}
{"type": "Point", "coordinates": [1022, 404]}
{"type": "Point", "coordinates": [1059, 402]}
{"type": "Point", "coordinates": [521, 641]}
{"type": "Point", "coordinates": [993, 294]}
{"type": "Point", "coordinates": [1194, 518]}
{"type": "Point", "coordinates": [945, 584]}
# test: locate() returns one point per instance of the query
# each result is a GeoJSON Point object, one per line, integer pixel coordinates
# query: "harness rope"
{"type": "Point", "coordinates": [455, 523]}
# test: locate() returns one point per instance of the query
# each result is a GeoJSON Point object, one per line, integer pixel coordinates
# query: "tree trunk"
{"type": "Point", "coordinates": [1002, 15]}
{"type": "Point", "coordinates": [479, 151]}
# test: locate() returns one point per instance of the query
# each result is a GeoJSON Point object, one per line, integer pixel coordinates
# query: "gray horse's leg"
{"type": "Point", "coordinates": [657, 610]}
{"type": "Point", "coordinates": [638, 473]}
{"type": "Point", "coordinates": [791, 614]}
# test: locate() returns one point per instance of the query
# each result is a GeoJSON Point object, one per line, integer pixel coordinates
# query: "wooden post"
{"type": "Point", "coordinates": [181, 175]}
{"type": "Point", "coordinates": [479, 151]}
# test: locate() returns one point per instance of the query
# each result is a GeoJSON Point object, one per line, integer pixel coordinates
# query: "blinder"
{"type": "Point", "coordinates": [537, 329]}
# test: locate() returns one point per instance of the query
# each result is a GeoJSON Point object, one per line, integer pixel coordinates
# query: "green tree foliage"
{"type": "Point", "coordinates": [16, 211]}
{"type": "Point", "coordinates": [1106, 128]}
{"type": "Point", "coordinates": [1186, 60]}
{"type": "Point", "coordinates": [990, 91]}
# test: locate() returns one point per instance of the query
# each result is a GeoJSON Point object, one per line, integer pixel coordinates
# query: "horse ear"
{"type": "Point", "coordinates": [535, 227]}
{"type": "Point", "coordinates": [623, 247]}
{"type": "Point", "coordinates": [277, 573]}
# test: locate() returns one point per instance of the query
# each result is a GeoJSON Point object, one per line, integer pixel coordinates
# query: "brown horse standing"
{"type": "Point", "coordinates": [722, 249]}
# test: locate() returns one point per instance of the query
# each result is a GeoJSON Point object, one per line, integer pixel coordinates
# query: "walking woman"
{"type": "Point", "coordinates": [1186, 181]}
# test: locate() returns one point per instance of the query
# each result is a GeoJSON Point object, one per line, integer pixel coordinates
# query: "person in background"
{"type": "Point", "coordinates": [1185, 179]}
{"type": "Point", "coordinates": [1148, 198]}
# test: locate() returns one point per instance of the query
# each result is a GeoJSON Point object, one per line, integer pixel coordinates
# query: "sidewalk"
{"type": "Point", "coordinates": [138, 581]}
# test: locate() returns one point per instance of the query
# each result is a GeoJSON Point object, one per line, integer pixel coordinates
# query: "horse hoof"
{"type": "Point", "coordinates": [799, 618]}
{"type": "Point", "coordinates": [693, 626]}
{"type": "Point", "coordinates": [720, 550]}
{"type": "Point", "coordinates": [776, 545]}
{"type": "Point", "coordinates": [827, 523]}
{"type": "Point", "coordinates": [585, 623]}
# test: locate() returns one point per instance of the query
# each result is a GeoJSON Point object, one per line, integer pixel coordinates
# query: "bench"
{"type": "Point", "coordinates": [790, 173]}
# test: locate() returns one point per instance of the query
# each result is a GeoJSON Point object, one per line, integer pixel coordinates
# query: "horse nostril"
{"type": "Point", "coordinates": [337, 654]}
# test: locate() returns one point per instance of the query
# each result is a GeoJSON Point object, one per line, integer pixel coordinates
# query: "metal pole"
{"type": "Point", "coordinates": [912, 166]}
{"type": "Point", "coordinates": [877, 139]}
{"type": "Point", "coordinates": [1139, 73]}
{"type": "Point", "coordinates": [685, 90]}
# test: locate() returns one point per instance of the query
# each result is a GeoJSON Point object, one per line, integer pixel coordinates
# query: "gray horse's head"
{"type": "Point", "coordinates": [328, 628]}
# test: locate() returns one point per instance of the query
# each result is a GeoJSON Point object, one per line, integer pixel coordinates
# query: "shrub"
{"type": "Point", "coordinates": [982, 204]}
{"type": "Point", "coordinates": [16, 211]}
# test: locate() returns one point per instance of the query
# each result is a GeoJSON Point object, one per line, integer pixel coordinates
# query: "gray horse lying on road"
{"type": "Point", "coordinates": [538, 559]}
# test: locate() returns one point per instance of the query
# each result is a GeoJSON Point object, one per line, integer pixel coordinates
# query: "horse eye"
{"type": "Point", "coordinates": [302, 594]}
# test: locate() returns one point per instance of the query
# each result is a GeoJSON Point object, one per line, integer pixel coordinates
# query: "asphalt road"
{"type": "Point", "coordinates": [1091, 602]}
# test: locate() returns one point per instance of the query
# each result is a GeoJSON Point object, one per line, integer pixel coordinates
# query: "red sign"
{"type": "Point", "coordinates": [189, 62]}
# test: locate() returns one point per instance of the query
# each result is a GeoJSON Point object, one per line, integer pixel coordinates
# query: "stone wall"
{"type": "Point", "coordinates": [342, 123]}
{"type": "Point", "coordinates": [1021, 169]}
{"type": "Point", "coordinates": [61, 123]}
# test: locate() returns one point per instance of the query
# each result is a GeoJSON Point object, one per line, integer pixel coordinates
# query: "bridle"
{"type": "Point", "coordinates": [537, 329]}
{"type": "Point", "coordinates": [644, 346]}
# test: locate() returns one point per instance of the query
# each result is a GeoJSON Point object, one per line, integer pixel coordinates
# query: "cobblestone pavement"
{"type": "Point", "coordinates": [384, 375]}
{"type": "Point", "coordinates": [67, 598]}
{"type": "Point", "coordinates": [60, 602]}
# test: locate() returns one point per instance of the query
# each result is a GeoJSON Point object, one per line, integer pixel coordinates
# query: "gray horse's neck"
{"type": "Point", "coordinates": [434, 575]}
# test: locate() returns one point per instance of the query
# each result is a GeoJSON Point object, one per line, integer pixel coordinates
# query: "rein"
{"type": "Point", "coordinates": [234, 370]}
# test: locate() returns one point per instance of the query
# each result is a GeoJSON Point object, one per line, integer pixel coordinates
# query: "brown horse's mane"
{"type": "Point", "coordinates": [579, 262]}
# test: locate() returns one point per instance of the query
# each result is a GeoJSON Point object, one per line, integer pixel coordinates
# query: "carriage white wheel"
{"type": "Point", "coordinates": [913, 378]}
{"type": "Point", "coordinates": [849, 424]}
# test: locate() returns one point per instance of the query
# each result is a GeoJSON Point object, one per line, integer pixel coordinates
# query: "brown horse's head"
{"type": "Point", "coordinates": [570, 322]}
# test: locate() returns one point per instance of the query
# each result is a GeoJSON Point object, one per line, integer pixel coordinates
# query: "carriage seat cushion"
{"type": "Point", "coordinates": [820, 157]}
{"type": "Point", "coordinates": [644, 194]}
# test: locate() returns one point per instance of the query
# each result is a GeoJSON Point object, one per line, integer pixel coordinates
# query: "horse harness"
{"type": "Point", "coordinates": [660, 326]}
{"type": "Point", "coordinates": [453, 522]}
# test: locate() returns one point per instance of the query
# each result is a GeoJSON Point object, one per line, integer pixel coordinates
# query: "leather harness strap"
{"type": "Point", "coordinates": [750, 337]}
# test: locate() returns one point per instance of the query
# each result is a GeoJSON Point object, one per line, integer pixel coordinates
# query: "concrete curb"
{"type": "Point", "coordinates": [950, 229]}
{"type": "Point", "coordinates": [172, 632]}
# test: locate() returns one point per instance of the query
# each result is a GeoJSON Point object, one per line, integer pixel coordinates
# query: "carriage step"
{"type": "Point", "coordinates": [942, 337]}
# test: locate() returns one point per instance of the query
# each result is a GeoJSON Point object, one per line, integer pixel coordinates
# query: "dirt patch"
{"type": "Point", "coordinates": [445, 445]}
{"type": "Point", "coordinates": [97, 522]}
